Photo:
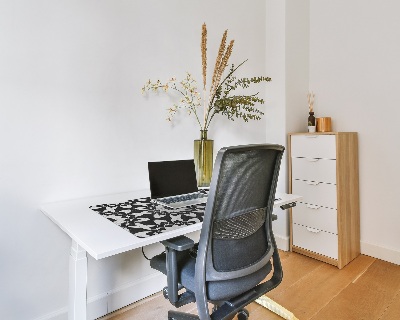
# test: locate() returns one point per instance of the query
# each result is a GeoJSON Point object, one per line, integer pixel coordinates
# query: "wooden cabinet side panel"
{"type": "Point", "coordinates": [348, 197]}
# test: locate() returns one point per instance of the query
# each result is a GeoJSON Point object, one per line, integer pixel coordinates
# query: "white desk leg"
{"type": "Point", "coordinates": [77, 283]}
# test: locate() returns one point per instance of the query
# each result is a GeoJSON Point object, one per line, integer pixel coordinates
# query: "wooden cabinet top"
{"type": "Point", "coordinates": [319, 133]}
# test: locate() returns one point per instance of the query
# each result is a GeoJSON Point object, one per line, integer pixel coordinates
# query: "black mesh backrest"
{"type": "Point", "coordinates": [235, 238]}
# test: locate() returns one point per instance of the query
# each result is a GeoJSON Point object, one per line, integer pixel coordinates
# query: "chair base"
{"type": "Point", "coordinates": [243, 314]}
{"type": "Point", "coordinates": [176, 315]}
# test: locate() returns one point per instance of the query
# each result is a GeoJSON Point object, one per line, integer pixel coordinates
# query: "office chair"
{"type": "Point", "coordinates": [236, 245]}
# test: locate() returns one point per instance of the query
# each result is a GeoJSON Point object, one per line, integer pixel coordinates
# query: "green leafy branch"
{"type": "Point", "coordinates": [236, 106]}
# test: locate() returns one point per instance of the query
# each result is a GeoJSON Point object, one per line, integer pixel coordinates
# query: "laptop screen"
{"type": "Point", "coordinates": [171, 178]}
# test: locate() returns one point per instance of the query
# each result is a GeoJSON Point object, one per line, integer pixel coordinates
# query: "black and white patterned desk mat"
{"type": "Point", "coordinates": [144, 218]}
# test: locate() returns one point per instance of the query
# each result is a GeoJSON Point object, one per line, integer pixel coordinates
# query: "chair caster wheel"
{"type": "Point", "coordinates": [243, 314]}
{"type": "Point", "coordinates": [165, 293]}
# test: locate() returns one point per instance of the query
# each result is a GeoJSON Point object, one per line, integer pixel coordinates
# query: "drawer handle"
{"type": "Point", "coordinates": [311, 136]}
{"type": "Point", "coordinates": [313, 206]}
{"type": "Point", "coordinates": [312, 183]}
{"type": "Point", "coordinates": [312, 159]}
{"type": "Point", "coordinates": [313, 230]}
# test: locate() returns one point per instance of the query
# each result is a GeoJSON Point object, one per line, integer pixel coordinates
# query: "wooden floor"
{"type": "Point", "coordinates": [366, 289]}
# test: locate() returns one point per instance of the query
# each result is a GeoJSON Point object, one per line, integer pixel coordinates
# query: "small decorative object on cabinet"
{"type": "Point", "coordinates": [311, 122]}
{"type": "Point", "coordinates": [323, 168]}
{"type": "Point", "coordinates": [324, 124]}
{"type": "Point", "coordinates": [311, 118]}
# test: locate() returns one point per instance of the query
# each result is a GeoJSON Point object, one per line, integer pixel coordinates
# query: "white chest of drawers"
{"type": "Point", "coordinates": [323, 168]}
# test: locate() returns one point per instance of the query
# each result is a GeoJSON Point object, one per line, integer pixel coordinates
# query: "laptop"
{"type": "Point", "coordinates": [174, 185]}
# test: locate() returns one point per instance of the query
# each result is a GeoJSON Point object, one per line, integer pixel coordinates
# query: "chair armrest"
{"type": "Point", "coordinates": [180, 243]}
{"type": "Point", "coordinates": [172, 246]}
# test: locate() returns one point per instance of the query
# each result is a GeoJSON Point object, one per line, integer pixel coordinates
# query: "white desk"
{"type": "Point", "coordinates": [91, 233]}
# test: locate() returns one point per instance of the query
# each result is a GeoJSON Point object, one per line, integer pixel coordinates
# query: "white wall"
{"type": "Point", "coordinates": [297, 47]}
{"type": "Point", "coordinates": [355, 74]}
{"type": "Point", "coordinates": [275, 65]}
{"type": "Point", "coordinates": [287, 57]}
{"type": "Point", "coordinates": [74, 124]}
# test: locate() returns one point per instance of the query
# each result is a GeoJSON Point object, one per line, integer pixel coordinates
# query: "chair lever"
{"type": "Point", "coordinates": [185, 298]}
{"type": "Point", "coordinates": [288, 205]}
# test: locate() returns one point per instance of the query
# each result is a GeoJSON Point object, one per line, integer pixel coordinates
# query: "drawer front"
{"type": "Point", "coordinates": [315, 217]}
{"type": "Point", "coordinates": [313, 146]}
{"type": "Point", "coordinates": [317, 193]}
{"type": "Point", "coordinates": [316, 241]}
{"type": "Point", "coordinates": [311, 169]}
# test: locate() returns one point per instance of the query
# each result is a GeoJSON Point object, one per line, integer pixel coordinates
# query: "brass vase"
{"type": "Point", "coordinates": [203, 159]}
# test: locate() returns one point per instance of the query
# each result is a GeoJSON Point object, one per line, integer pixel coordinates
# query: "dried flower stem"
{"type": "Point", "coordinates": [204, 54]}
{"type": "Point", "coordinates": [310, 98]}
{"type": "Point", "coordinates": [204, 65]}
{"type": "Point", "coordinates": [218, 72]}
{"type": "Point", "coordinates": [221, 68]}
{"type": "Point", "coordinates": [218, 62]}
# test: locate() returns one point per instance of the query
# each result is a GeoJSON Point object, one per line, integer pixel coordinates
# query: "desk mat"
{"type": "Point", "coordinates": [144, 218]}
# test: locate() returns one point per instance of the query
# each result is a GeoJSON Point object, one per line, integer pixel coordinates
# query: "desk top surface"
{"type": "Point", "coordinates": [102, 238]}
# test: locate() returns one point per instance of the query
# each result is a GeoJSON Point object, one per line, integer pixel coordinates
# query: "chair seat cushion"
{"type": "Point", "coordinates": [216, 290]}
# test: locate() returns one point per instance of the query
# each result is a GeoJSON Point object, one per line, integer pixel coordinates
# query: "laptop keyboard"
{"type": "Point", "coordinates": [183, 200]}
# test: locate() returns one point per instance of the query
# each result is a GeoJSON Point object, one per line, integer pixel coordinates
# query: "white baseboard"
{"type": "Point", "coordinates": [118, 298]}
{"type": "Point", "coordinates": [61, 314]}
{"type": "Point", "coordinates": [282, 242]}
{"type": "Point", "coordinates": [382, 253]}
{"type": "Point", "coordinates": [121, 297]}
